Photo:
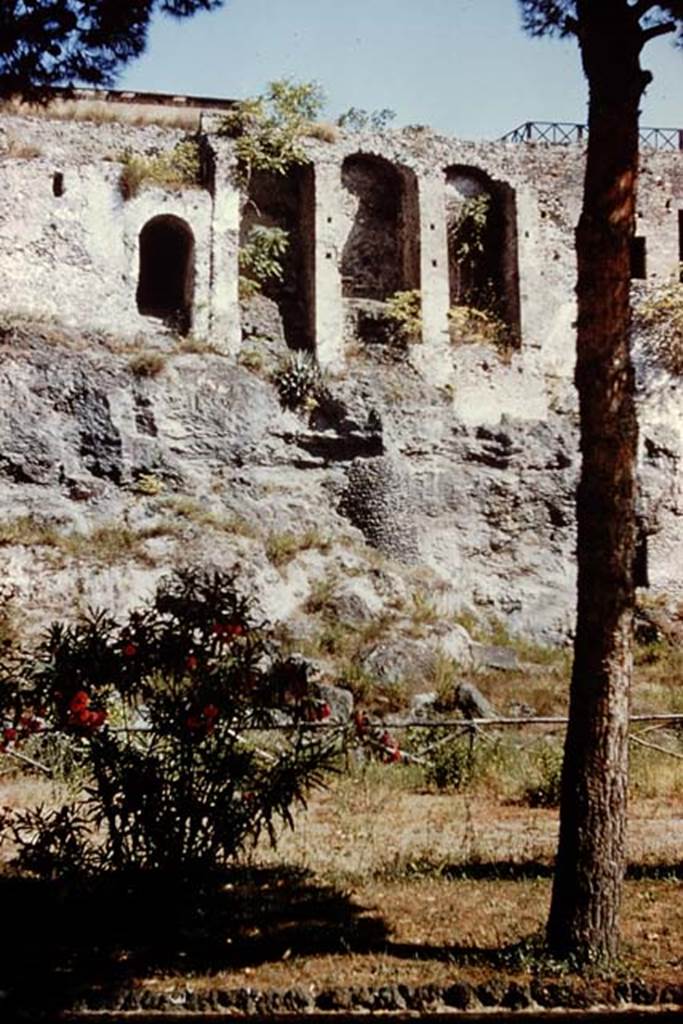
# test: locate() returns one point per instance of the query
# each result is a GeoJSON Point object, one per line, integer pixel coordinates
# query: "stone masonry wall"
{"type": "Point", "coordinates": [69, 250]}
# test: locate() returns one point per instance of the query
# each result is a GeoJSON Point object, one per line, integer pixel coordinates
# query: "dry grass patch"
{"type": "Point", "coordinates": [192, 511]}
{"type": "Point", "coordinates": [15, 148]}
{"type": "Point", "coordinates": [105, 545]}
{"type": "Point", "coordinates": [147, 364]}
{"type": "Point", "coordinates": [282, 548]}
{"type": "Point", "coordinates": [101, 112]}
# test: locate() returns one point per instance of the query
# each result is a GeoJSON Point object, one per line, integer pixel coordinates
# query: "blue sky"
{"type": "Point", "coordinates": [462, 66]}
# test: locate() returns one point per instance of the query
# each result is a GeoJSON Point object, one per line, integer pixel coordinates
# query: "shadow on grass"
{"type": "Point", "coordinates": [66, 939]}
{"type": "Point", "coordinates": [528, 870]}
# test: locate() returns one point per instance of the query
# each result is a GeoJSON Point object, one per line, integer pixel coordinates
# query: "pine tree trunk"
{"type": "Point", "coordinates": [589, 871]}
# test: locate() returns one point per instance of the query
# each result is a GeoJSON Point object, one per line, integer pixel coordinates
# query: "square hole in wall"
{"type": "Point", "coordinates": [638, 257]}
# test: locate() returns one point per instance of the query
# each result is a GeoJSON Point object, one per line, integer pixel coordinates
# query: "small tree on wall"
{"type": "Point", "coordinates": [270, 171]}
{"type": "Point", "coordinates": [268, 129]}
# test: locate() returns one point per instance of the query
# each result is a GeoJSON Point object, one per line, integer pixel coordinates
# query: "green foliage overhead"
{"type": "Point", "coordinates": [45, 43]}
{"type": "Point", "coordinates": [563, 17]}
{"type": "Point", "coordinates": [268, 129]}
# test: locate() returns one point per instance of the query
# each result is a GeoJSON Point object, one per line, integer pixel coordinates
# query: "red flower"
{"type": "Point", "coordinates": [210, 714]}
{"type": "Point", "coordinates": [390, 749]}
{"type": "Point", "coordinates": [222, 629]}
{"type": "Point", "coordinates": [191, 663]}
{"type": "Point", "coordinates": [79, 701]}
{"type": "Point", "coordinates": [88, 721]}
{"type": "Point", "coordinates": [96, 719]}
{"type": "Point", "coordinates": [360, 720]}
{"type": "Point", "coordinates": [9, 736]}
{"type": "Point", "coordinates": [319, 712]}
{"type": "Point", "coordinates": [203, 721]}
{"type": "Point", "coordinates": [130, 650]}
{"type": "Point", "coordinates": [30, 723]}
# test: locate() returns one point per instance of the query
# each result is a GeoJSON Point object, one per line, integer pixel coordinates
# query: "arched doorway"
{"type": "Point", "coordinates": [166, 274]}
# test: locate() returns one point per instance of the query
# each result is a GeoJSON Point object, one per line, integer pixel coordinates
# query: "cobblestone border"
{"type": "Point", "coordinates": [460, 996]}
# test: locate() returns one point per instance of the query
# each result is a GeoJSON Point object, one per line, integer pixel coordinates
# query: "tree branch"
{"type": "Point", "coordinates": [658, 30]}
{"type": "Point", "coordinates": [655, 746]}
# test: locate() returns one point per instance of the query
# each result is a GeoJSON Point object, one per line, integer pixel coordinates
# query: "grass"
{"type": "Point", "coordinates": [196, 346]}
{"type": "Point", "coordinates": [101, 112]}
{"type": "Point", "coordinates": [17, 149]}
{"type": "Point", "coordinates": [147, 364]}
{"type": "Point", "coordinates": [148, 485]}
{"type": "Point", "coordinates": [176, 169]}
{"type": "Point", "coordinates": [322, 131]}
{"type": "Point", "coordinates": [384, 881]}
{"type": "Point", "coordinates": [469, 325]}
{"type": "Point", "coordinates": [282, 548]}
{"type": "Point", "coordinates": [423, 613]}
{"type": "Point", "coordinates": [187, 508]}
{"type": "Point", "coordinates": [106, 544]}
{"type": "Point", "coordinates": [251, 359]}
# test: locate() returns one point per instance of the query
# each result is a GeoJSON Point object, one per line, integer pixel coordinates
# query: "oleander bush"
{"type": "Point", "coordinates": [165, 710]}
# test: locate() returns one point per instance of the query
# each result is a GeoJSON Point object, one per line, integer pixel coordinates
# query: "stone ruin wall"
{"type": "Point", "coordinates": [70, 244]}
{"type": "Point", "coordinates": [368, 216]}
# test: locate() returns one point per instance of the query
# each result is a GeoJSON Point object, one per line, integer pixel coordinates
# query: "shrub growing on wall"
{"type": "Point", "coordinates": [268, 129]}
{"type": "Point", "coordinates": [163, 709]}
{"type": "Point", "coordinates": [658, 319]}
{"type": "Point", "coordinates": [261, 258]}
{"type": "Point", "coordinates": [404, 315]}
{"type": "Point", "coordinates": [176, 169]}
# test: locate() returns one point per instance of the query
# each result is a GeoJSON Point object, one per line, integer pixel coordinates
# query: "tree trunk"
{"type": "Point", "coordinates": [589, 871]}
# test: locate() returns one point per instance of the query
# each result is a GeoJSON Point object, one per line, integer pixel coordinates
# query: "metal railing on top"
{"type": "Point", "coordinates": [567, 133]}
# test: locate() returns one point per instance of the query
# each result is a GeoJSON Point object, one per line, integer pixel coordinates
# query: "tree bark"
{"type": "Point", "coordinates": [584, 913]}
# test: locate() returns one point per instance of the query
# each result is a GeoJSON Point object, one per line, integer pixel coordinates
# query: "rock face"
{"type": "Point", "coordinates": [109, 477]}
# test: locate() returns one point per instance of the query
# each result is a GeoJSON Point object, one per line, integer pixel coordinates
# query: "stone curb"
{"type": "Point", "coordinates": [458, 996]}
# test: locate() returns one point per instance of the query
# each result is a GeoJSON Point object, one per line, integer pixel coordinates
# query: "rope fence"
{"type": "Point", "coordinates": [374, 733]}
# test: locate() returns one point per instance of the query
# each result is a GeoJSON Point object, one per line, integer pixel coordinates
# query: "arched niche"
{"type": "Point", "coordinates": [382, 250]}
{"type": "Point", "coordinates": [166, 271]}
{"type": "Point", "coordinates": [287, 201]}
{"type": "Point", "coordinates": [483, 269]}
